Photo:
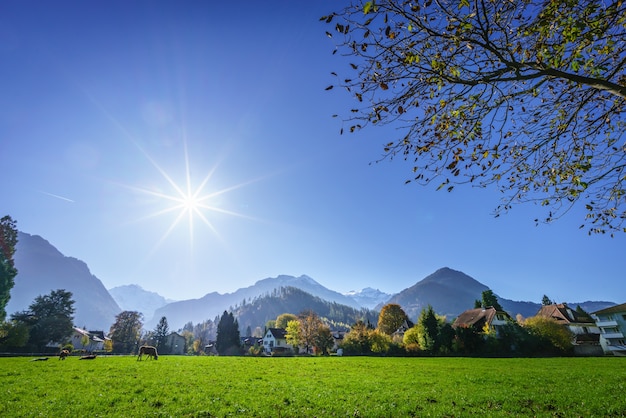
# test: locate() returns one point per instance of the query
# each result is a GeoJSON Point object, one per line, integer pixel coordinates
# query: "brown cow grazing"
{"type": "Point", "coordinates": [149, 351]}
{"type": "Point", "coordinates": [63, 354]}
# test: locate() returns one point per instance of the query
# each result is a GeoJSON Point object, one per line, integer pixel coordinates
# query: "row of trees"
{"type": "Point", "coordinates": [433, 335]}
{"type": "Point", "coordinates": [126, 334]}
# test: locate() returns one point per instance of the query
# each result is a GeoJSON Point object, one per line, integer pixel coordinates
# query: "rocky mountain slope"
{"type": "Point", "coordinates": [42, 268]}
{"type": "Point", "coordinates": [133, 297]}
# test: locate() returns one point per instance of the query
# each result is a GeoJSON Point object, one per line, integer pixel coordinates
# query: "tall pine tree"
{"type": "Point", "coordinates": [228, 340]}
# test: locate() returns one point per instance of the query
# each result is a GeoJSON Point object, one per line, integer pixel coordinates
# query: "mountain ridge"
{"type": "Point", "coordinates": [42, 268]}
{"type": "Point", "coordinates": [95, 308]}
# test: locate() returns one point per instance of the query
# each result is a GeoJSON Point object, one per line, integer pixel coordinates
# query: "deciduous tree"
{"type": "Point", "coordinates": [13, 334]}
{"type": "Point", "coordinates": [294, 334]}
{"type": "Point", "coordinates": [126, 332]}
{"type": "Point", "coordinates": [8, 241]}
{"type": "Point", "coordinates": [549, 329]}
{"type": "Point", "coordinates": [391, 317]}
{"type": "Point", "coordinates": [527, 96]}
{"type": "Point", "coordinates": [310, 324]}
{"type": "Point", "coordinates": [323, 340]}
{"type": "Point", "coordinates": [50, 318]}
{"type": "Point", "coordinates": [283, 319]}
{"type": "Point", "coordinates": [358, 339]}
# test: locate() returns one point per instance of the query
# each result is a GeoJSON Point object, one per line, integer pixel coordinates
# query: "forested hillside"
{"type": "Point", "coordinates": [293, 300]}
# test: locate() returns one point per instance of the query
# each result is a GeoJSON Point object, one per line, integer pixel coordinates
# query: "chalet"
{"type": "Point", "coordinates": [82, 339]}
{"type": "Point", "coordinates": [275, 340]}
{"type": "Point", "coordinates": [586, 334]}
{"type": "Point", "coordinates": [402, 329]}
{"type": "Point", "coordinates": [478, 318]}
{"type": "Point", "coordinates": [612, 324]}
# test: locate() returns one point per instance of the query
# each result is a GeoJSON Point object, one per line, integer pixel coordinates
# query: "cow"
{"type": "Point", "coordinates": [149, 351]}
{"type": "Point", "coordinates": [63, 354]}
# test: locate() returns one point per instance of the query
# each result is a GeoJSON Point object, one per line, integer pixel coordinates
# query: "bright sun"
{"type": "Point", "coordinates": [189, 203]}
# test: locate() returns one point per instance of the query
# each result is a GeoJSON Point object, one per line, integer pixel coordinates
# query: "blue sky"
{"type": "Point", "coordinates": [107, 107]}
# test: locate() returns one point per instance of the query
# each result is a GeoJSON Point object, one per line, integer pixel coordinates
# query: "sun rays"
{"type": "Point", "coordinates": [188, 202]}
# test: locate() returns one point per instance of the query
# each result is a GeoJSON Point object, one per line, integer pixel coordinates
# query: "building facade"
{"type": "Point", "coordinates": [612, 324]}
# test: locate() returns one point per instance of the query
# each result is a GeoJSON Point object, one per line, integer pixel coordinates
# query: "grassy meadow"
{"type": "Point", "coordinates": [180, 386]}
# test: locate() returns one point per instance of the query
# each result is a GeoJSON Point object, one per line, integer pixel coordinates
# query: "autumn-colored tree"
{"type": "Point", "coordinates": [391, 317]}
{"type": "Point", "coordinates": [310, 324]}
{"type": "Point", "coordinates": [380, 342]}
{"type": "Point", "coordinates": [323, 340]}
{"type": "Point", "coordinates": [411, 339]}
{"type": "Point", "coordinates": [8, 241]}
{"type": "Point", "coordinates": [358, 339]}
{"type": "Point", "coordinates": [294, 334]}
{"type": "Point", "coordinates": [549, 329]}
{"type": "Point", "coordinates": [526, 96]}
{"type": "Point", "coordinates": [283, 319]}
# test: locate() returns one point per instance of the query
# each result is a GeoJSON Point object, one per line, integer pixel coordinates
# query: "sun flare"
{"type": "Point", "coordinates": [189, 203]}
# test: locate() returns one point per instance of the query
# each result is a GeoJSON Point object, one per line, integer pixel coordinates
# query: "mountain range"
{"type": "Point", "coordinates": [42, 268]}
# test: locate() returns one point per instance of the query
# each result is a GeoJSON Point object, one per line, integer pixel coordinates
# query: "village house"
{"type": "Point", "coordinates": [275, 341]}
{"type": "Point", "coordinates": [175, 343]}
{"type": "Point", "coordinates": [82, 339]}
{"type": "Point", "coordinates": [586, 335]}
{"type": "Point", "coordinates": [398, 334]}
{"type": "Point", "coordinates": [612, 324]}
{"type": "Point", "coordinates": [480, 318]}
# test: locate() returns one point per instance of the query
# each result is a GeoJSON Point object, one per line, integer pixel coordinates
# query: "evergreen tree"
{"type": "Point", "coordinates": [545, 301]}
{"type": "Point", "coordinates": [160, 334]}
{"type": "Point", "coordinates": [428, 330]}
{"type": "Point", "coordinates": [490, 299]}
{"type": "Point", "coordinates": [228, 340]}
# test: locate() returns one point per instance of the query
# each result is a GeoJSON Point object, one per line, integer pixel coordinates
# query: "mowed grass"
{"type": "Point", "coordinates": [181, 386]}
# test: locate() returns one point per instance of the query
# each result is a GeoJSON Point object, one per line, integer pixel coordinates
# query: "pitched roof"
{"type": "Point", "coordinates": [475, 317]}
{"type": "Point", "coordinates": [612, 309]}
{"type": "Point", "coordinates": [564, 314]}
{"type": "Point", "coordinates": [278, 333]}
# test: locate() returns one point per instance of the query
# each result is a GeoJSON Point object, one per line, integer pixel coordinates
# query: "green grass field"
{"type": "Point", "coordinates": [313, 387]}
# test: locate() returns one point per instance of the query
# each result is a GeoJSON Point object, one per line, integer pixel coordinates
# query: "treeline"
{"type": "Point", "coordinates": [432, 335]}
